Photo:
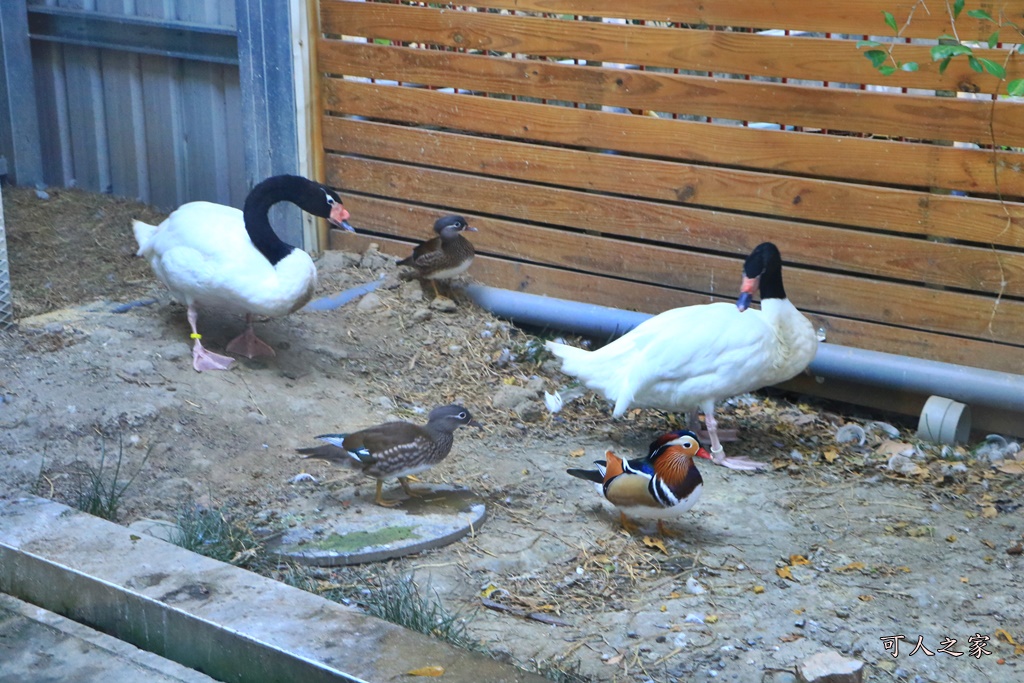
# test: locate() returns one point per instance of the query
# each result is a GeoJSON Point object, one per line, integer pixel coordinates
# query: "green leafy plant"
{"type": "Point", "coordinates": [100, 495]}
{"type": "Point", "coordinates": [398, 599]}
{"type": "Point", "coordinates": [215, 534]}
{"type": "Point", "coordinates": [949, 48]}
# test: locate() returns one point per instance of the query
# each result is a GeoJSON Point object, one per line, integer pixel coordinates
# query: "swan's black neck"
{"type": "Point", "coordinates": [765, 263]}
{"type": "Point", "coordinates": [283, 188]}
{"type": "Point", "coordinates": [771, 284]}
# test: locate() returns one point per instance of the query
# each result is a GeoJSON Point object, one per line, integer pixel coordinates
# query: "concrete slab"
{"type": "Point", "coordinates": [206, 615]}
{"type": "Point", "coordinates": [346, 529]}
{"type": "Point", "coordinates": [37, 645]}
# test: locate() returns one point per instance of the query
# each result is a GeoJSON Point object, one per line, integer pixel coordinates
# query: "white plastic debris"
{"type": "Point", "coordinates": [693, 586]}
{"type": "Point", "coordinates": [694, 618]}
{"type": "Point", "coordinates": [885, 428]}
{"type": "Point", "coordinates": [851, 433]}
{"type": "Point", "coordinates": [996, 448]}
{"type": "Point", "coordinates": [902, 464]}
{"type": "Point", "coordinates": [553, 401]}
{"type": "Point", "coordinates": [303, 476]}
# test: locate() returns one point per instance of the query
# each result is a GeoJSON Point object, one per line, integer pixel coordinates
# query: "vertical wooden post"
{"type": "Point", "coordinates": [19, 124]}
{"type": "Point", "coordinates": [269, 111]}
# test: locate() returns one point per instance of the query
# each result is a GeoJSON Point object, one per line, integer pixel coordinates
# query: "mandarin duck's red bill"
{"type": "Point", "coordinates": [691, 357]}
{"type": "Point", "coordinates": [660, 486]}
{"type": "Point", "coordinates": [394, 449]}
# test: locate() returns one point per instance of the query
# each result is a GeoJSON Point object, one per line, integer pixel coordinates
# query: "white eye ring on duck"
{"type": "Point", "coordinates": [687, 444]}
{"type": "Point", "coordinates": [462, 416]}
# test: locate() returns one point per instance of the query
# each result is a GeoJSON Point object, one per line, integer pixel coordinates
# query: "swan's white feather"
{"type": "Point", "coordinates": [683, 357]}
{"type": "Point", "coordinates": [203, 254]}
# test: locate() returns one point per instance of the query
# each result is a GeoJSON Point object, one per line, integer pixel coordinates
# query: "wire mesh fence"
{"type": "Point", "coordinates": [6, 300]}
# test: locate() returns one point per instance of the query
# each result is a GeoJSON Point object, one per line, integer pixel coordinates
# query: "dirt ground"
{"type": "Point", "coordinates": [837, 547]}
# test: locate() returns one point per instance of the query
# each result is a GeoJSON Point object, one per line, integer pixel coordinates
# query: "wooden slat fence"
{"type": "Point", "coordinates": [630, 154]}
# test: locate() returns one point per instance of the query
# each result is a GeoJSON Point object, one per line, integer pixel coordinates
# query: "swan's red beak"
{"type": "Point", "coordinates": [339, 217]}
{"type": "Point", "coordinates": [747, 289]}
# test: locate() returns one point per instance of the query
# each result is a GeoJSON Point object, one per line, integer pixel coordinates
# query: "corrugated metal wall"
{"type": "Point", "coordinates": [161, 129]}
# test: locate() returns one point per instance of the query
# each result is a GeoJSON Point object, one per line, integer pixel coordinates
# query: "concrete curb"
{"type": "Point", "coordinates": [206, 615]}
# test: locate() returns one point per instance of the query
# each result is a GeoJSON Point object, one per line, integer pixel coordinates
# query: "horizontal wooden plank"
{"type": "Point", "coordinates": [914, 116]}
{"type": "Point", "coordinates": [916, 261]}
{"type": "Point", "coordinates": [606, 291]}
{"type": "Point", "coordinates": [805, 199]}
{"type": "Point", "coordinates": [835, 16]}
{"type": "Point", "coordinates": [721, 52]}
{"type": "Point", "coordinates": [904, 305]}
{"type": "Point", "coordinates": [999, 171]}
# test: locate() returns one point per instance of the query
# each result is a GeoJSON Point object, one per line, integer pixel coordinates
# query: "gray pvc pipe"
{"type": "Point", "coordinates": [885, 370]}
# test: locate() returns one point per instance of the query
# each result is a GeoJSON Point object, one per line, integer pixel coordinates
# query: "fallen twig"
{"type": "Point", "coordinates": [535, 616]}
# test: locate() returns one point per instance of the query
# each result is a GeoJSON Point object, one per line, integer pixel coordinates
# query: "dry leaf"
{"type": "Point", "coordinates": [889, 447]}
{"type": "Point", "coordinates": [1002, 633]}
{"type": "Point", "coordinates": [489, 590]}
{"type": "Point", "coordinates": [430, 671]}
{"type": "Point", "coordinates": [614, 660]}
{"type": "Point", "coordinates": [951, 538]}
{"type": "Point", "coordinates": [988, 544]}
{"type": "Point", "coordinates": [790, 638]}
{"type": "Point", "coordinates": [799, 610]}
{"type": "Point", "coordinates": [673, 595]}
{"type": "Point", "coordinates": [578, 453]}
{"type": "Point", "coordinates": [711, 619]}
{"type": "Point", "coordinates": [758, 589]}
{"type": "Point", "coordinates": [831, 454]}
{"type": "Point", "coordinates": [1012, 467]}
{"type": "Point", "coordinates": [796, 560]}
{"type": "Point", "coordinates": [964, 579]}
{"type": "Point", "coordinates": [989, 511]}
{"type": "Point", "coordinates": [865, 598]}
{"type": "Point", "coordinates": [853, 566]}
{"type": "Point", "coordinates": [655, 543]}
{"type": "Point", "coordinates": [785, 573]}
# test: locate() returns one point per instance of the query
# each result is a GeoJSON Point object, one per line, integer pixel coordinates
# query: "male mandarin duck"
{"type": "Point", "coordinates": [394, 449]}
{"type": "Point", "coordinates": [693, 356]}
{"type": "Point", "coordinates": [662, 485]}
{"type": "Point", "coordinates": [211, 255]}
{"type": "Point", "coordinates": [446, 256]}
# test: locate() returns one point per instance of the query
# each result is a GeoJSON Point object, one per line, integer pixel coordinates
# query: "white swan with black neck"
{"type": "Point", "coordinates": [215, 256]}
{"type": "Point", "coordinates": [691, 357]}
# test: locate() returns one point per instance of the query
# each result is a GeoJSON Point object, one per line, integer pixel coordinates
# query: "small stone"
{"type": "Point", "coordinates": [374, 260]}
{"type": "Point", "coordinates": [421, 315]}
{"type": "Point", "coordinates": [530, 411]}
{"type": "Point", "coordinates": [444, 305]}
{"type": "Point", "coordinates": [411, 291]}
{"type": "Point", "coordinates": [830, 667]}
{"type": "Point", "coordinates": [138, 368]}
{"type": "Point", "coordinates": [174, 352]}
{"type": "Point", "coordinates": [258, 418]}
{"type": "Point", "coordinates": [509, 397]}
{"type": "Point", "coordinates": [369, 302]}
{"type": "Point", "coordinates": [536, 385]}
